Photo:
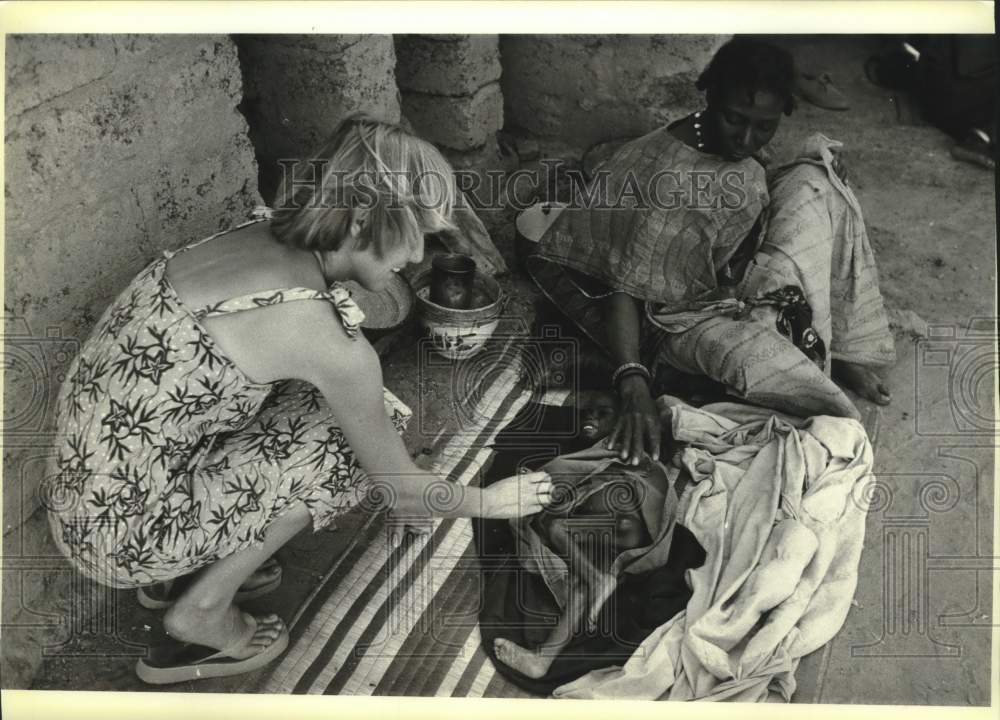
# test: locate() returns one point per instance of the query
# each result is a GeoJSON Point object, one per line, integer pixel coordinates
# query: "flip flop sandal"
{"type": "Point", "coordinates": [162, 595]}
{"type": "Point", "coordinates": [180, 662]}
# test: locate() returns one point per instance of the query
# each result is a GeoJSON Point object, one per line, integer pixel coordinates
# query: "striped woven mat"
{"type": "Point", "coordinates": [404, 621]}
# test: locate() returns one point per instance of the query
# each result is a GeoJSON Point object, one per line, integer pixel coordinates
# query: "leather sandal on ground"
{"type": "Point", "coordinates": [820, 91]}
{"type": "Point", "coordinates": [180, 662]}
{"type": "Point", "coordinates": [162, 595]}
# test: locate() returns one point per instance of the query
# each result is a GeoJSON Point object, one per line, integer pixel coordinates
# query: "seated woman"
{"type": "Point", "coordinates": [226, 400]}
{"type": "Point", "coordinates": [685, 255]}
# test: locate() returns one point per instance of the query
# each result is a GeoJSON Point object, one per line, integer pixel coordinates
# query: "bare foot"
{"type": "Point", "coordinates": [526, 662]}
{"type": "Point", "coordinates": [222, 628]}
{"type": "Point", "coordinates": [862, 380]}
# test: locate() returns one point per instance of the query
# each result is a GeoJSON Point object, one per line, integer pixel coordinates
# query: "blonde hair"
{"type": "Point", "coordinates": [371, 171]}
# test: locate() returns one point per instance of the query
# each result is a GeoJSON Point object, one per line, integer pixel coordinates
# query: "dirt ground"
{"type": "Point", "coordinates": [919, 631]}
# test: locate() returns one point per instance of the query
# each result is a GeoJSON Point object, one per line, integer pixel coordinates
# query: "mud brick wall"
{"type": "Point", "coordinates": [570, 92]}
{"type": "Point", "coordinates": [298, 87]}
{"type": "Point", "coordinates": [450, 88]}
{"type": "Point", "coordinates": [117, 147]}
{"type": "Point", "coordinates": [451, 95]}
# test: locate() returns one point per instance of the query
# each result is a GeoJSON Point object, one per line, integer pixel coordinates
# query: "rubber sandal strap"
{"type": "Point", "coordinates": [178, 655]}
{"type": "Point", "coordinates": [245, 639]}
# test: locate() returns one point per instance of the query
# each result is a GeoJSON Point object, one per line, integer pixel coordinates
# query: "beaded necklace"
{"type": "Point", "coordinates": [697, 130]}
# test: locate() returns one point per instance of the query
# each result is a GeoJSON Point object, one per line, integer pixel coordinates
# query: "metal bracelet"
{"type": "Point", "coordinates": [632, 368]}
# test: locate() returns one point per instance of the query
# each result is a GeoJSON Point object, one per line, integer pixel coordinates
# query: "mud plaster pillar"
{"type": "Point", "coordinates": [117, 147]}
{"type": "Point", "coordinates": [451, 95]}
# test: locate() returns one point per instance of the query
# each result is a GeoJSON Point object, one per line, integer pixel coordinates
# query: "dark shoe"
{"type": "Point", "coordinates": [974, 149]}
{"type": "Point", "coordinates": [893, 70]}
{"type": "Point", "coordinates": [820, 91]}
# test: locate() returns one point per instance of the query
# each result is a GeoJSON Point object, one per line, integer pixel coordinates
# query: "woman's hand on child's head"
{"type": "Point", "coordinates": [638, 426]}
{"type": "Point", "coordinates": [517, 496]}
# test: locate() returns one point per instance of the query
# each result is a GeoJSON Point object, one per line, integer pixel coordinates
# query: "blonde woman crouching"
{"type": "Point", "coordinates": [227, 400]}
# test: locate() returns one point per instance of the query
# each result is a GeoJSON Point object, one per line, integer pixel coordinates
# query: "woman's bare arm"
{"type": "Point", "coordinates": [313, 346]}
{"type": "Point", "coordinates": [638, 426]}
{"type": "Point", "coordinates": [622, 313]}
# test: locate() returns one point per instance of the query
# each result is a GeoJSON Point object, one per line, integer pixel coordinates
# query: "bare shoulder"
{"type": "Point", "coordinates": [296, 339]}
{"type": "Point", "coordinates": [307, 340]}
{"type": "Point", "coordinates": [237, 263]}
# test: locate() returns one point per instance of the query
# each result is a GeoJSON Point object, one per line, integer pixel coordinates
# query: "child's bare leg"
{"type": "Point", "coordinates": [536, 663]}
{"type": "Point", "coordinates": [590, 588]}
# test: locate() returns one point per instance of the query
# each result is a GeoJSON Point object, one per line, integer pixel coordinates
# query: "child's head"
{"type": "Point", "coordinates": [373, 184]}
{"type": "Point", "coordinates": [597, 412]}
{"type": "Point", "coordinates": [618, 501]}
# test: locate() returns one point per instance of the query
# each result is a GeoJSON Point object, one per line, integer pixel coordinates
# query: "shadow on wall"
{"type": "Point", "coordinates": [570, 92]}
{"type": "Point", "coordinates": [296, 88]}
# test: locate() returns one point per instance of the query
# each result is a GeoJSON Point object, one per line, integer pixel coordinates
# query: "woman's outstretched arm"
{"type": "Point", "coordinates": [348, 374]}
{"type": "Point", "coordinates": [638, 426]}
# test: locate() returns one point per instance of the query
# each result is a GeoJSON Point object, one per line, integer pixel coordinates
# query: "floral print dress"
{"type": "Point", "coordinates": [169, 457]}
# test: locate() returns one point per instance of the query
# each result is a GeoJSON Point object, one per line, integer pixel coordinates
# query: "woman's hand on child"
{"type": "Point", "coordinates": [638, 426]}
{"type": "Point", "coordinates": [517, 496]}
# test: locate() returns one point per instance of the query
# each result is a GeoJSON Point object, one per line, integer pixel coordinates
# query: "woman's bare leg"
{"type": "Point", "coordinates": [205, 613]}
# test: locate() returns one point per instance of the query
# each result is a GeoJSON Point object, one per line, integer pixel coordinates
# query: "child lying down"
{"type": "Point", "coordinates": [609, 518]}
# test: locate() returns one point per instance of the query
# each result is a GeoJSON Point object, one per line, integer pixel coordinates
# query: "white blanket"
{"type": "Point", "coordinates": [779, 505]}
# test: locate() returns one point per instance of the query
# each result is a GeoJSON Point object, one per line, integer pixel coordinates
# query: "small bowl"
{"type": "Point", "coordinates": [460, 334]}
{"type": "Point", "coordinates": [387, 309]}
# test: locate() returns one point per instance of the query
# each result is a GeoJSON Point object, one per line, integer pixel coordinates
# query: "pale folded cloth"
{"type": "Point", "coordinates": [779, 505]}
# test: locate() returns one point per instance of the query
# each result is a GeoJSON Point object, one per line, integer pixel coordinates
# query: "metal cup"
{"type": "Point", "coordinates": [452, 276]}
